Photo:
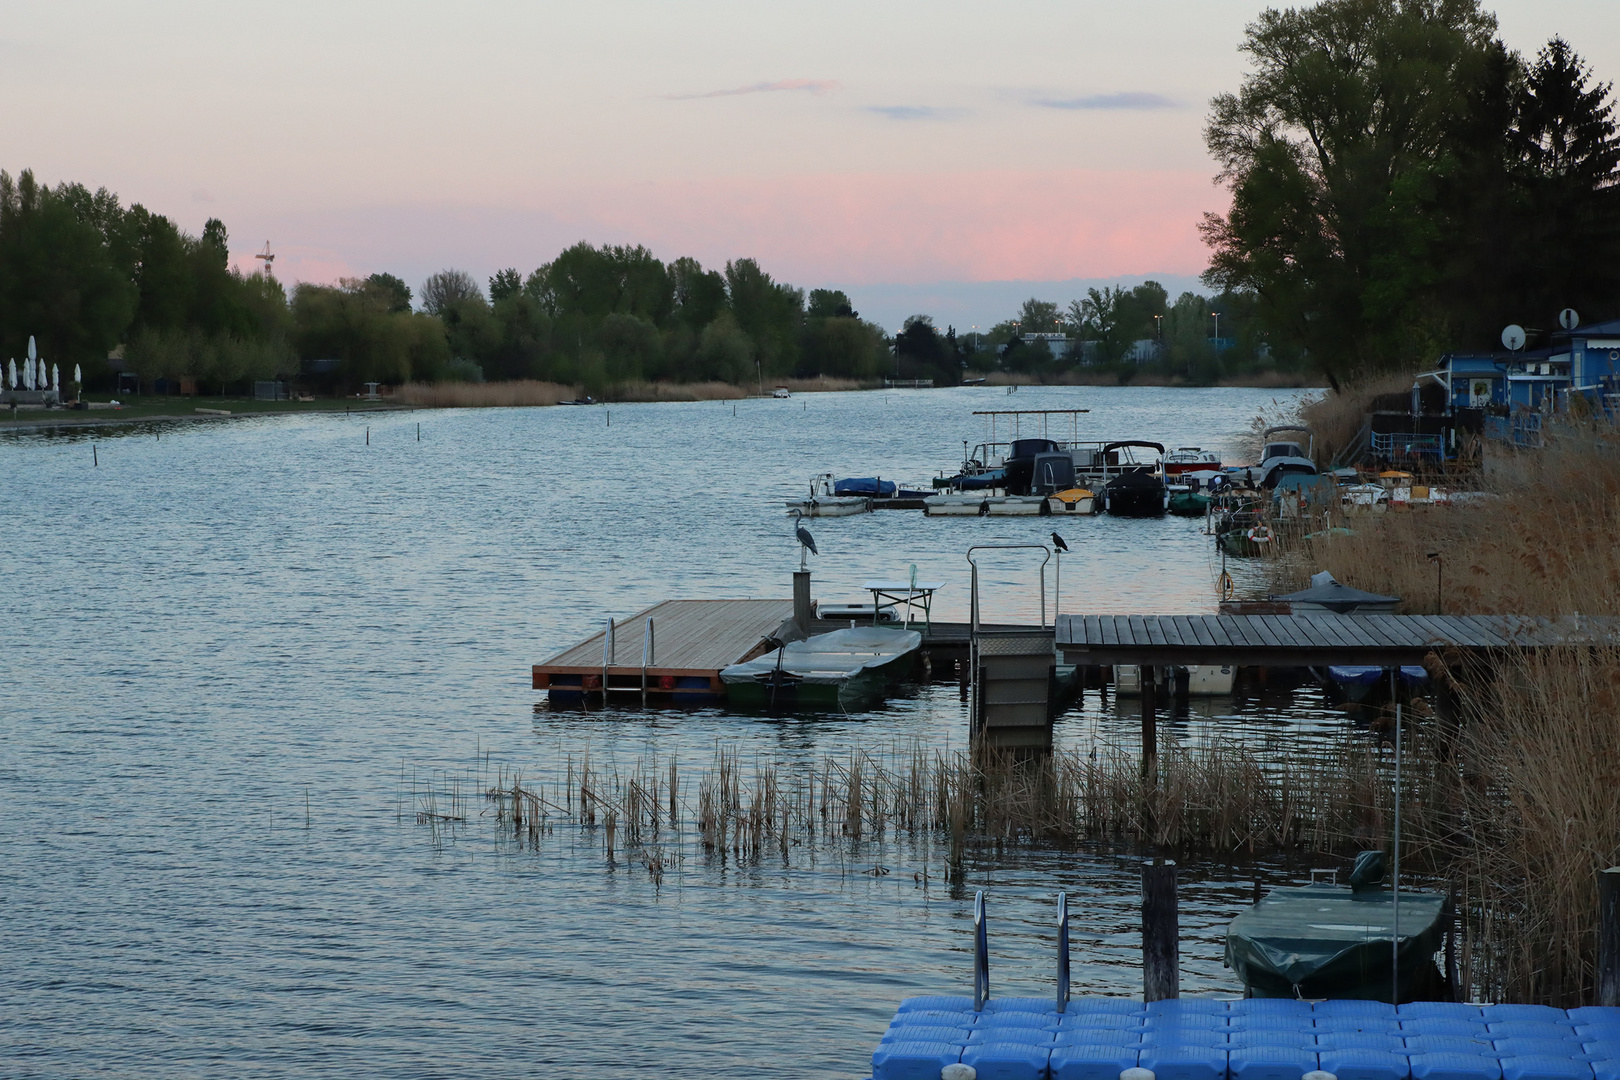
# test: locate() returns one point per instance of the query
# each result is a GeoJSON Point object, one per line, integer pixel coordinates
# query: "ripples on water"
{"type": "Point", "coordinates": [207, 630]}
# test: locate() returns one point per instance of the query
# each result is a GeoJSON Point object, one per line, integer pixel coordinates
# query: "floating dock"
{"type": "Point", "coordinates": [673, 651]}
{"type": "Point", "coordinates": [1253, 1039]}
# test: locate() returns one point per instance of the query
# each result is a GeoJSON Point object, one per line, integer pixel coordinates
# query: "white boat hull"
{"type": "Point", "coordinates": [1079, 508]}
{"type": "Point", "coordinates": [837, 506]}
{"type": "Point", "coordinates": [1210, 680]}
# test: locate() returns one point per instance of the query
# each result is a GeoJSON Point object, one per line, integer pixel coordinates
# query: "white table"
{"type": "Point", "coordinates": [891, 594]}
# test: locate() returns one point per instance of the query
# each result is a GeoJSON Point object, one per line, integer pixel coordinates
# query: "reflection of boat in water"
{"type": "Point", "coordinates": [824, 501]}
{"type": "Point", "coordinates": [835, 670]}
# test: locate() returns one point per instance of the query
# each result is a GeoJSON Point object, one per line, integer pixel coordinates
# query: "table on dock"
{"type": "Point", "coordinates": [891, 594]}
{"type": "Point", "coordinates": [690, 642]}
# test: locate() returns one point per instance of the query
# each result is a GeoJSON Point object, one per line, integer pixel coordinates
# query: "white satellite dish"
{"type": "Point", "coordinates": [1513, 337]}
{"type": "Point", "coordinates": [33, 353]}
{"type": "Point", "coordinates": [1568, 319]}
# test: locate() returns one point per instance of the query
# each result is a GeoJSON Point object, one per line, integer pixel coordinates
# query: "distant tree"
{"type": "Point", "coordinates": [1038, 317]}
{"type": "Point", "coordinates": [768, 312]}
{"type": "Point", "coordinates": [699, 295]}
{"type": "Point", "coordinates": [398, 293]}
{"type": "Point", "coordinates": [448, 289]}
{"type": "Point", "coordinates": [830, 304]}
{"type": "Point", "coordinates": [504, 284]}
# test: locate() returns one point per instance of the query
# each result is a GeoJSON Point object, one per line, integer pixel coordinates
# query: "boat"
{"type": "Point", "coordinates": [1337, 941]}
{"type": "Point", "coordinates": [1210, 680]}
{"type": "Point", "coordinates": [1189, 459]}
{"type": "Point", "coordinates": [781, 392]}
{"type": "Point", "coordinates": [1281, 457]}
{"type": "Point", "coordinates": [836, 670]}
{"type": "Point", "coordinates": [1079, 502]}
{"type": "Point", "coordinates": [824, 501]}
{"type": "Point", "coordinates": [876, 488]}
{"type": "Point", "coordinates": [1138, 492]}
{"type": "Point", "coordinates": [985, 504]}
{"type": "Point", "coordinates": [1186, 500]}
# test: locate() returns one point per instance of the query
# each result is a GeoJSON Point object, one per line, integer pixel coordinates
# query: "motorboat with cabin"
{"type": "Point", "coordinates": [825, 501]}
{"type": "Point", "coordinates": [1136, 489]}
{"type": "Point", "coordinates": [1281, 456]}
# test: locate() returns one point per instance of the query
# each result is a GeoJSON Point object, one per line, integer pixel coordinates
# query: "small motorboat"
{"type": "Point", "coordinates": [834, 671]}
{"type": "Point", "coordinates": [781, 392]}
{"type": "Point", "coordinates": [1136, 494]}
{"type": "Point", "coordinates": [1190, 459]}
{"type": "Point", "coordinates": [824, 501]}
{"type": "Point", "coordinates": [1077, 501]}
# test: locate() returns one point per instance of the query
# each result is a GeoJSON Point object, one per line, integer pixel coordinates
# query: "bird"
{"type": "Point", "coordinates": [806, 541]}
{"type": "Point", "coordinates": [1057, 542]}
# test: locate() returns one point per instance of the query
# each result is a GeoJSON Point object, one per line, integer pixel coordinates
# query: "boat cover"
{"type": "Point", "coordinates": [830, 659]}
{"type": "Point", "coordinates": [1326, 941]}
{"type": "Point", "coordinates": [993, 479]}
{"type": "Point", "coordinates": [1335, 596]}
{"type": "Point", "coordinates": [865, 485]}
{"type": "Point", "coordinates": [1367, 675]}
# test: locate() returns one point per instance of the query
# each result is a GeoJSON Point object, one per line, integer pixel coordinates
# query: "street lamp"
{"type": "Point", "coordinates": [1217, 316]}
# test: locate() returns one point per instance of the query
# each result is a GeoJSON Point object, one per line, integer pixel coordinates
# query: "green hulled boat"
{"type": "Point", "coordinates": [834, 671]}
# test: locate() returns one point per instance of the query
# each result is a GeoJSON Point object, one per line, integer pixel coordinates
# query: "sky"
{"type": "Point", "coordinates": [935, 157]}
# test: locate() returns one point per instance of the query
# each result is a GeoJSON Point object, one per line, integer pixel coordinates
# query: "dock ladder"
{"type": "Point", "coordinates": [1011, 671]}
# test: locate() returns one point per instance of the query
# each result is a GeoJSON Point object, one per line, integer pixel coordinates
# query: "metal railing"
{"type": "Point", "coordinates": [974, 681]}
{"type": "Point", "coordinates": [646, 658]}
{"type": "Point", "coordinates": [1391, 444]}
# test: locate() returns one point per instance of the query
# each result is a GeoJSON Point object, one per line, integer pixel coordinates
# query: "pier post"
{"type": "Point", "coordinates": [1609, 937]}
{"type": "Point", "coordinates": [801, 601]}
{"type": "Point", "coordinates": [1161, 932]}
{"type": "Point", "coordinates": [1150, 728]}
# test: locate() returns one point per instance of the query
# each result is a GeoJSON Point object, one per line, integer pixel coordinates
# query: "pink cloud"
{"type": "Point", "coordinates": [812, 86]}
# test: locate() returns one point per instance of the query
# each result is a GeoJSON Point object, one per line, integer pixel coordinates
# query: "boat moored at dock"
{"type": "Point", "coordinates": [825, 501]}
{"type": "Point", "coordinates": [836, 671]}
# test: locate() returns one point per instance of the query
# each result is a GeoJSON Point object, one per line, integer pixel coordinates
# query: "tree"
{"type": "Point", "coordinates": [768, 312]}
{"type": "Point", "coordinates": [830, 304]}
{"type": "Point", "coordinates": [396, 292]}
{"type": "Point", "coordinates": [1335, 148]}
{"type": "Point", "coordinates": [1038, 317]}
{"type": "Point", "coordinates": [448, 290]}
{"type": "Point", "coordinates": [1102, 320]}
{"type": "Point", "coordinates": [504, 284]}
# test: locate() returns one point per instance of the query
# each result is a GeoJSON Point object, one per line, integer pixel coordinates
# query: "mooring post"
{"type": "Point", "coordinates": [1609, 937]}
{"type": "Point", "coordinates": [1161, 931]}
{"type": "Point", "coordinates": [1150, 729]}
{"type": "Point", "coordinates": [801, 601]}
{"type": "Point", "coordinates": [981, 954]}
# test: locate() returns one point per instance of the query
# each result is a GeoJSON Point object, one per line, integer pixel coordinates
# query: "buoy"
{"type": "Point", "coordinates": [1137, 1074]}
{"type": "Point", "coordinates": [1259, 534]}
{"type": "Point", "coordinates": [957, 1071]}
{"type": "Point", "coordinates": [1318, 1074]}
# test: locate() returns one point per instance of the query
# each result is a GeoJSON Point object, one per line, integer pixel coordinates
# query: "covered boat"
{"type": "Point", "coordinates": [1139, 493]}
{"type": "Point", "coordinates": [836, 670]}
{"type": "Point", "coordinates": [825, 501]}
{"type": "Point", "coordinates": [1336, 941]}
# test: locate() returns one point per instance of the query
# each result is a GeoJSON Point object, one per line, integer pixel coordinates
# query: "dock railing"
{"type": "Point", "coordinates": [975, 680]}
{"type": "Point", "coordinates": [646, 658]}
{"type": "Point", "coordinates": [608, 653]}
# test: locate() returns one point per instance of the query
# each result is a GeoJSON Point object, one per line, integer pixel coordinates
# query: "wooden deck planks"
{"type": "Point", "coordinates": [689, 635]}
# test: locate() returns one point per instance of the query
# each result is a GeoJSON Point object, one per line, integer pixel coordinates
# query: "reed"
{"type": "Point", "coordinates": [464, 395]}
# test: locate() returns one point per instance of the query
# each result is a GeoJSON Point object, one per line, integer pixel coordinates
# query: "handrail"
{"type": "Point", "coordinates": [981, 955]}
{"type": "Point", "coordinates": [1006, 547]}
{"type": "Point", "coordinates": [646, 658]}
{"type": "Point", "coordinates": [1063, 952]}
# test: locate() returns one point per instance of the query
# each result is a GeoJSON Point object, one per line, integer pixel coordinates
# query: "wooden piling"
{"type": "Point", "coordinates": [1150, 729]}
{"type": "Point", "coordinates": [1161, 932]}
{"type": "Point", "coordinates": [1609, 937]}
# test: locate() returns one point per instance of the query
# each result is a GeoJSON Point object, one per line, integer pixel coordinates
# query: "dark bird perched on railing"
{"type": "Point", "coordinates": [1057, 542]}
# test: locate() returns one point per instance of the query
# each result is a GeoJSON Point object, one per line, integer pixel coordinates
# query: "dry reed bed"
{"type": "Point", "coordinates": [1212, 798]}
{"type": "Point", "coordinates": [1526, 809]}
{"type": "Point", "coordinates": [522, 392]}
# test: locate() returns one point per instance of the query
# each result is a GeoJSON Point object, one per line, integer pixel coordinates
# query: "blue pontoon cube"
{"type": "Point", "coordinates": [1251, 1007]}
{"type": "Point", "coordinates": [1359, 1040]}
{"type": "Point", "coordinates": [923, 1034]}
{"type": "Point", "coordinates": [1007, 1061]}
{"type": "Point", "coordinates": [1435, 1025]}
{"type": "Point", "coordinates": [1091, 1062]}
{"type": "Point", "coordinates": [913, 1060]}
{"type": "Point", "coordinates": [1184, 1062]}
{"type": "Point", "coordinates": [1365, 1063]}
{"type": "Point", "coordinates": [1366, 1010]}
{"type": "Point", "coordinates": [937, 1003]}
{"type": "Point", "coordinates": [1044, 1005]}
{"type": "Point", "coordinates": [1544, 1067]}
{"type": "Point", "coordinates": [1270, 1062]}
{"type": "Point", "coordinates": [1455, 1065]}
{"type": "Point", "coordinates": [1189, 1006]}
{"type": "Point", "coordinates": [1496, 1014]}
{"type": "Point", "coordinates": [1451, 1044]}
{"type": "Point", "coordinates": [1438, 1010]}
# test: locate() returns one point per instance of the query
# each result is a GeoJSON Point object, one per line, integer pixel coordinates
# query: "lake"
{"type": "Point", "coordinates": [238, 652]}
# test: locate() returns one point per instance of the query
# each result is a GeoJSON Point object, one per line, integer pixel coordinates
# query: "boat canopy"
{"type": "Point", "coordinates": [865, 485]}
{"type": "Point", "coordinates": [1133, 442]}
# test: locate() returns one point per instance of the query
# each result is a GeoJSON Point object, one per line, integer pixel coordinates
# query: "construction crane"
{"type": "Point", "coordinates": [268, 258]}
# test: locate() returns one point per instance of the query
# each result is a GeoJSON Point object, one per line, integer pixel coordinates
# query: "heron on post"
{"type": "Point", "coordinates": [807, 543]}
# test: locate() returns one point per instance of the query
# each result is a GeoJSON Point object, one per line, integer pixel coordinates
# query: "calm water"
{"type": "Point", "coordinates": [225, 646]}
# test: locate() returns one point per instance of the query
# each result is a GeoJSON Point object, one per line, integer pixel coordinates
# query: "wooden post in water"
{"type": "Point", "coordinates": [1150, 729]}
{"type": "Point", "coordinates": [1609, 937]}
{"type": "Point", "coordinates": [801, 601]}
{"type": "Point", "coordinates": [1161, 932]}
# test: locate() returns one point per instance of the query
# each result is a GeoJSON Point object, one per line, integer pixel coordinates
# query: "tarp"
{"type": "Point", "coordinates": [830, 659]}
{"type": "Point", "coordinates": [993, 479]}
{"type": "Point", "coordinates": [1329, 595]}
{"type": "Point", "coordinates": [865, 485]}
{"type": "Point", "coordinates": [1325, 941]}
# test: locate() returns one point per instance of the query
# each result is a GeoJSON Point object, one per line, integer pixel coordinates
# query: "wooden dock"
{"type": "Point", "coordinates": [692, 640]}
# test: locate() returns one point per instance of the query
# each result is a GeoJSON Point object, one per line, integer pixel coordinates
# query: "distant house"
{"type": "Point", "coordinates": [1584, 362]}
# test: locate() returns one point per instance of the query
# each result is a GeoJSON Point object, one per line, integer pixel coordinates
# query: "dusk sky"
{"type": "Point", "coordinates": [921, 151]}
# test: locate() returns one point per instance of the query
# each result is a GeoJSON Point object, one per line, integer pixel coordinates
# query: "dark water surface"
{"type": "Point", "coordinates": [223, 648]}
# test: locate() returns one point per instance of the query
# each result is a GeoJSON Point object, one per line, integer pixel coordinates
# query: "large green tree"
{"type": "Point", "coordinates": [1336, 149]}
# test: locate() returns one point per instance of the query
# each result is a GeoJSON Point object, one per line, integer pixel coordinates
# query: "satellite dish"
{"type": "Point", "coordinates": [1513, 337]}
{"type": "Point", "coordinates": [33, 354]}
{"type": "Point", "coordinates": [1568, 319]}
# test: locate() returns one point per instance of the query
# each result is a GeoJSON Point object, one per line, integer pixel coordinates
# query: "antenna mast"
{"type": "Point", "coordinates": [268, 258]}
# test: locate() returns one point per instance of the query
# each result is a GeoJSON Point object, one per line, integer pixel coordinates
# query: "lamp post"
{"type": "Point", "coordinates": [1158, 336]}
{"type": "Point", "coordinates": [1439, 577]}
{"type": "Point", "coordinates": [1217, 317]}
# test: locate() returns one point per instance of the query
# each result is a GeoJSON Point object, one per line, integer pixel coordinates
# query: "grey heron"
{"type": "Point", "coordinates": [807, 543]}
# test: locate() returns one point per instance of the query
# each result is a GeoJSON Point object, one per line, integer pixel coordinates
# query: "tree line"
{"type": "Point", "coordinates": [89, 277]}
{"type": "Point", "coordinates": [1403, 183]}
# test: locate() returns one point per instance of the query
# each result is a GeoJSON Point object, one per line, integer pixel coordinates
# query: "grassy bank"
{"type": "Point", "coordinates": [1261, 379]}
{"type": "Point", "coordinates": [529, 392]}
{"type": "Point", "coordinates": [147, 408]}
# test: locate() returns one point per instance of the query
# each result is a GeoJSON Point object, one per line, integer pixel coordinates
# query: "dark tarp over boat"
{"type": "Point", "coordinates": [1327, 941]}
{"type": "Point", "coordinates": [830, 671]}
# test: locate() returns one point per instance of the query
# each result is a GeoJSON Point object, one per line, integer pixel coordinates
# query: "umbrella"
{"type": "Point", "coordinates": [56, 378]}
{"type": "Point", "coordinates": [76, 379]}
{"type": "Point", "coordinates": [11, 374]}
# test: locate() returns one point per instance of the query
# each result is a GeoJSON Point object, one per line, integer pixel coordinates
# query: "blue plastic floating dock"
{"type": "Point", "coordinates": [1254, 1039]}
